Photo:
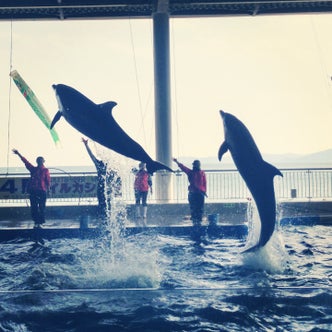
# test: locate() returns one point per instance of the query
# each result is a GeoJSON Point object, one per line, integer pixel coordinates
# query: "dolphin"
{"type": "Point", "coordinates": [257, 173]}
{"type": "Point", "coordinates": [96, 121]}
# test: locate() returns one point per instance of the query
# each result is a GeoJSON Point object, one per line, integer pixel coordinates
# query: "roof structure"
{"type": "Point", "coordinates": [93, 9]}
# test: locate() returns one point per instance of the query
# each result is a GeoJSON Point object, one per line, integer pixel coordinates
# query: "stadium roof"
{"type": "Point", "coordinates": [92, 9]}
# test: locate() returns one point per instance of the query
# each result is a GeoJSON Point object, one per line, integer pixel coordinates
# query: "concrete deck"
{"type": "Point", "coordinates": [158, 214]}
{"type": "Point", "coordinates": [163, 214]}
{"type": "Point", "coordinates": [171, 219]}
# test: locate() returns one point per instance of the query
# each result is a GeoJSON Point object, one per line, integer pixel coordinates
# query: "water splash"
{"type": "Point", "coordinates": [134, 266]}
{"type": "Point", "coordinates": [114, 225]}
{"type": "Point", "coordinates": [254, 224]}
{"type": "Point", "coordinates": [119, 262]}
{"type": "Point", "coordinates": [273, 257]}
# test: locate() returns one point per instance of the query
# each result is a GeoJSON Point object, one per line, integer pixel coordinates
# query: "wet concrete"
{"type": "Point", "coordinates": [231, 213]}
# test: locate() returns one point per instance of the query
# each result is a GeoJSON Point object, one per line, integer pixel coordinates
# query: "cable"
{"type": "Point", "coordinates": [175, 92]}
{"type": "Point", "coordinates": [9, 94]}
{"type": "Point", "coordinates": [137, 82]}
{"type": "Point", "coordinates": [322, 62]}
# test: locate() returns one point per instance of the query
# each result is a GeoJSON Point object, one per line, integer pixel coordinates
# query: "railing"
{"type": "Point", "coordinates": [223, 185]}
{"type": "Point", "coordinates": [313, 183]}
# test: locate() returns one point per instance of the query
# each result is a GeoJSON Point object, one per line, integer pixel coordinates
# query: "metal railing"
{"type": "Point", "coordinates": [313, 183]}
{"type": "Point", "coordinates": [223, 185]}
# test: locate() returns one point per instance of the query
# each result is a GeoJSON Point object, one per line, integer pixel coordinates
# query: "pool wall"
{"type": "Point", "coordinates": [166, 214]}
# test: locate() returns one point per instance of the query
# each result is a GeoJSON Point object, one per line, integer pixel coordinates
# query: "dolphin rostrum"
{"type": "Point", "coordinates": [97, 122]}
{"type": "Point", "coordinates": [257, 173]}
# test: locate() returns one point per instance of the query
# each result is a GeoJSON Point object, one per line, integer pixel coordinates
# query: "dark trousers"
{"type": "Point", "coordinates": [196, 203]}
{"type": "Point", "coordinates": [104, 204]}
{"type": "Point", "coordinates": [37, 205]}
{"type": "Point", "coordinates": [141, 196]}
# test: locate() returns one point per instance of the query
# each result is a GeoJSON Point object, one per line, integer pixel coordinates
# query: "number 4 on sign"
{"type": "Point", "coordinates": [8, 187]}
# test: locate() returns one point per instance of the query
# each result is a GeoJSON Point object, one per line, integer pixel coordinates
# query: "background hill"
{"type": "Point", "coordinates": [321, 159]}
{"type": "Point", "coordinates": [314, 160]}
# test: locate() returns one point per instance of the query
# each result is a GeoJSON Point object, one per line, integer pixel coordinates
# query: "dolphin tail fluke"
{"type": "Point", "coordinates": [267, 230]}
{"type": "Point", "coordinates": [272, 170]}
{"type": "Point", "coordinates": [252, 249]}
{"type": "Point", "coordinates": [56, 119]}
{"type": "Point", "coordinates": [154, 166]}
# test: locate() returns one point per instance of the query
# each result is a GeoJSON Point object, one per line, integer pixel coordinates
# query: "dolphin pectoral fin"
{"type": "Point", "coordinates": [222, 150]}
{"type": "Point", "coordinates": [56, 119]}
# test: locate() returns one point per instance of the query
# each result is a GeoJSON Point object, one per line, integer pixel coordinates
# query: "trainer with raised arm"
{"type": "Point", "coordinates": [40, 182]}
{"type": "Point", "coordinates": [196, 190]}
{"type": "Point", "coordinates": [109, 184]}
{"type": "Point", "coordinates": [142, 184]}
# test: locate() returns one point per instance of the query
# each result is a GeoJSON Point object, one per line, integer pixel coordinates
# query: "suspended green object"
{"type": "Point", "coordinates": [34, 103]}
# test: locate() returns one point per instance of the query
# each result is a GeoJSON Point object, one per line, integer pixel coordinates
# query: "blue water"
{"type": "Point", "coordinates": [152, 282]}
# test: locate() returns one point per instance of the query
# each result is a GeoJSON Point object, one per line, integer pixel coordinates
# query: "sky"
{"type": "Point", "coordinates": [272, 72]}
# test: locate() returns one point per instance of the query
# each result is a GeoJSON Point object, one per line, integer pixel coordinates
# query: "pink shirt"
{"type": "Point", "coordinates": [40, 176]}
{"type": "Point", "coordinates": [197, 179]}
{"type": "Point", "coordinates": [142, 181]}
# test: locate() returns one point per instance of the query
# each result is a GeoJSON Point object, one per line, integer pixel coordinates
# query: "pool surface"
{"type": "Point", "coordinates": [156, 282]}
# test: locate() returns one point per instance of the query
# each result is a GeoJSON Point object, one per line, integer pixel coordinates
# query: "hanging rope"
{"type": "Point", "coordinates": [322, 62]}
{"type": "Point", "coordinates": [137, 82]}
{"type": "Point", "coordinates": [149, 98]}
{"type": "Point", "coordinates": [150, 139]}
{"type": "Point", "coordinates": [175, 91]}
{"type": "Point", "coordinates": [9, 94]}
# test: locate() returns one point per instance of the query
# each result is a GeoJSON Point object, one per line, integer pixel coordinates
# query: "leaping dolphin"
{"type": "Point", "coordinates": [257, 173]}
{"type": "Point", "coordinates": [97, 122]}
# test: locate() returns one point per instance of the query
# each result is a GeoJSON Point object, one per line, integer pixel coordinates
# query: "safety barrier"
{"type": "Point", "coordinates": [223, 185]}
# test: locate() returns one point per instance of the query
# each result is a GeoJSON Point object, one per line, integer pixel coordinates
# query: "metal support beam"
{"type": "Point", "coordinates": [162, 97]}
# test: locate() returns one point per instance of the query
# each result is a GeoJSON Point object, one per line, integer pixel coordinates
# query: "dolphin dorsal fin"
{"type": "Point", "coordinates": [108, 106]}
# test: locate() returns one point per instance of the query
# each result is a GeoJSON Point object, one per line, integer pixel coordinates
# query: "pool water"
{"type": "Point", "coordinates": [153, 282]}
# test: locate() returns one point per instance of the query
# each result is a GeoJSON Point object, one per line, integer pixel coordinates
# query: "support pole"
{"type": "Point", "coordinates": [162, 99]}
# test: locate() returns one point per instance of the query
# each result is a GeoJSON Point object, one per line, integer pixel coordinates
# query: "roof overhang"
{"type": "Point", "coordinates": [105, 9]}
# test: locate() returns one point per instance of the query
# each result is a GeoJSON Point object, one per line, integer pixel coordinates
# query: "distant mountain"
{"type": "Point", "coordinates": [289, 160]}
{"type": "Point", "coordinates": [321, 159]}
{"type": "Point", "coordinates": [318, 157]}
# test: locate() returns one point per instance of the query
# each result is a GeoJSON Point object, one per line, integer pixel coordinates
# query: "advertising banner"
{"type": "Point", "coordinates": [61, 187]}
